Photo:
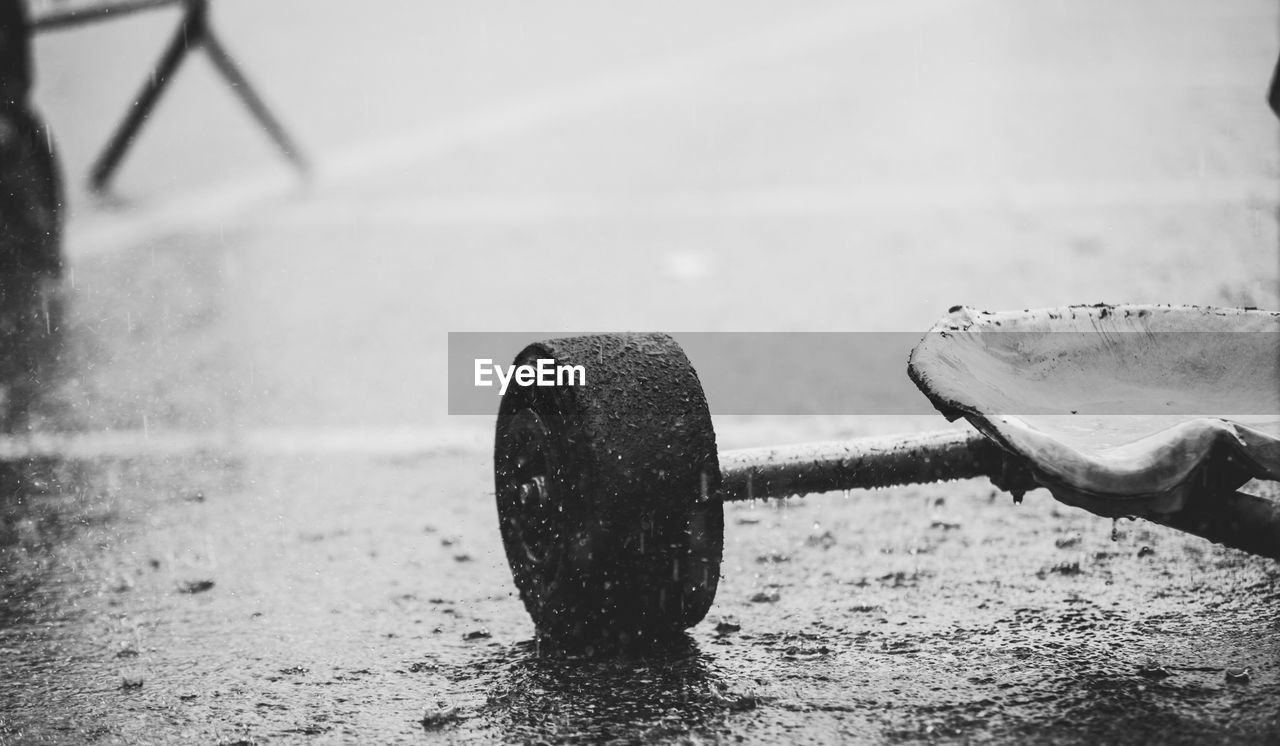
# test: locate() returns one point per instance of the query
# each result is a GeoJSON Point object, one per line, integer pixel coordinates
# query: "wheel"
{"type": "Point", "coordinates": [30, 201]}
{"type": "Point", "coordinates": [608, 493]}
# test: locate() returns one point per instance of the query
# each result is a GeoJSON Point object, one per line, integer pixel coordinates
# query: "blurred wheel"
{"type": "Point", "coordinates": [30, 198]}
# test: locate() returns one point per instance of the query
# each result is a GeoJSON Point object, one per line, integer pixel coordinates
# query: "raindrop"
{"type": "Point", "coordinates": [437, 715]}
{"type": "Point", "coordinates": [727, 626]}
{"type": "Point", "coordinates": [1153, 670]}
{"type": "Point", "coordinates": [131, 679]}
{"type": "Point", "coordinates": [195, 586]}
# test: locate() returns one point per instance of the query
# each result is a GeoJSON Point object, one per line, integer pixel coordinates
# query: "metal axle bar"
{"type": "Point", "coordinates": [755, 473]}
{"type": "Point", "coordinates": [1233, 519]}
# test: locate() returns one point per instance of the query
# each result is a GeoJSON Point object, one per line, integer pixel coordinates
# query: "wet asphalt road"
{"type": "Point", "coordinates": [237, 510]}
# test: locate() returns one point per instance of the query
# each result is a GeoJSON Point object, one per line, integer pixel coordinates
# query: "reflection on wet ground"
{"type": "Point", "coordinates": [204, 597]}
{"type": "Point", "coordinates": [537, 696]}
{"type": "Point", "coordinates": [31, 334]}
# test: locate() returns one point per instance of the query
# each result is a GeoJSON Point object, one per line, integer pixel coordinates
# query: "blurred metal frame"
{"type": "Point", "coordinates": [194, 31]}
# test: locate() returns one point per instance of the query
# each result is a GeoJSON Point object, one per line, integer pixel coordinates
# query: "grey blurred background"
{"type": "Point", "coordinates": [740, 167]}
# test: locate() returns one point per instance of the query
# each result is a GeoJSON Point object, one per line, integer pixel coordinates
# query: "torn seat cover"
{"type": "Point", "coordinates": [1121, 410]}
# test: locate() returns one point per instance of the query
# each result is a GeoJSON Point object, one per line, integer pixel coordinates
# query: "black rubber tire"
{"type": "Point", "coordinates": [30, 199]}
{"type": "Point", "coordinates": [608, 494]}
